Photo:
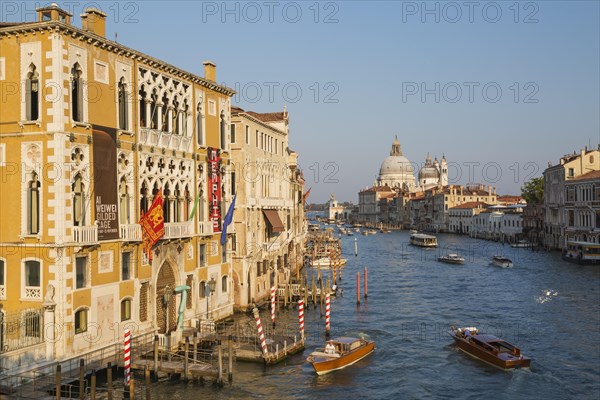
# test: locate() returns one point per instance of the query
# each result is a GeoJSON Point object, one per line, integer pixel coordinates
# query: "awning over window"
{"type": "Point", "coordinates": [274, 220]}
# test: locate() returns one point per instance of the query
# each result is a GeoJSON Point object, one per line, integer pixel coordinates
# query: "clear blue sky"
{"type": "Point", "coordinates": [362, 67]}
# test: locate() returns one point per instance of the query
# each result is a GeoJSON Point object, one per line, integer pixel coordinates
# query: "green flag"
{"type": "Point", "coordinates": [194, 208]}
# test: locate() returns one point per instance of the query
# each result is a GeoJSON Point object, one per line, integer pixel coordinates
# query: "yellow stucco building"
{"type": "Point", "coordinates": [90, 132]}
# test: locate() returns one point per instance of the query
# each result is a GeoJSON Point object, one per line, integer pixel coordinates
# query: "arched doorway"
{"type": "Point", "coordinates": [166, 315]}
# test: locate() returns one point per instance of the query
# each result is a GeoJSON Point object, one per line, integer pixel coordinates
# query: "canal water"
{"type": "Point", "coordinates": [547, 307]}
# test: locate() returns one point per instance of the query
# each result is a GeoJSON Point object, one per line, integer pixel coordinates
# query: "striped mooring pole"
{"type": "Point", "coordinates": [261, 334]}
{"type": "Point", "coordinates": [327, 314]}
{"type": "Point", "coordinates": [301, 317]}
{"type": "Point", "coordinates": [357, 288]}
{"type": "Point", "coordinates": [273, 305]}
{"type": "Point", "coordinates": [127, 355]}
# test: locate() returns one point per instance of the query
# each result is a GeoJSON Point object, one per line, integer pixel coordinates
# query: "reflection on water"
{"type": "Point", "coordinates": [542, 304]}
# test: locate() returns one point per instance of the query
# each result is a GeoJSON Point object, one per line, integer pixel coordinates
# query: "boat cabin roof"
{"type": "Point", "coordinates": [345, 340]}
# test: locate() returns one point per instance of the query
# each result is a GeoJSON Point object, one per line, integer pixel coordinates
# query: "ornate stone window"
{"type": "Point", "coordinates": [33, 205]}
{"type": "Point", "coordinates": [76, 93]}
{"type": "Point", "coordinates": [78, 201]}
{"type": "Point", "coordinates": [81, 320]}
{"type": "Point", "coordinates": [32, 280]}
{"type": "Point", "coordinates": [124, 105]}
{"type": "Point", "coordinates": [32, 97]}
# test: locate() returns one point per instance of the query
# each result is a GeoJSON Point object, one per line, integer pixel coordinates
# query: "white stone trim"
{"type": "Point", "coordinates": [56, 98]}
{"type": "Point", "coordinates": [2, 68]}
{"type": "Point", "coordinates": [32, 156]}
{"type": "Point", "coordinates": [105, 261]}
{"type": "Point", "coordinates": [104, 67]}
{"type": "Point", "coordinates": [2, 154]}
{"type": "Point", "coordinates": [25, 290]}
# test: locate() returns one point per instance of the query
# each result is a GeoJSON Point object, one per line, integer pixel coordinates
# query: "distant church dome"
{"type": "Point", "coordinates": [428, 171]}
{"type": "Point", "coordinates": [396, 170]}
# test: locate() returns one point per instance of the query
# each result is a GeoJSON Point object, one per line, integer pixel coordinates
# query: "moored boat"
{"type": "Point", "coordinates": [326, 262]}
{"type": "Point", "coordinates": [340, 353]}
{"type": "Point", "coordinates": [521, 244]}
{"type": "Point", "coordinates": [501, 261]}
{"type": "Point", "coordinates": [451, 258]}
{"type": "Point", "coordinates": [489, 348]}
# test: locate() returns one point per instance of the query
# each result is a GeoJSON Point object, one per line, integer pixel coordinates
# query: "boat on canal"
{"type": "Point", "coordinates": [521, 244]}
{"type": "Point", "coordinates": [451, 258]}
{"type": "Point", "coordinates": [489, 348]}
{"type": "Point", "coordinates": [423, 240]}
{"type": "Point", "coordinates": [501, 261]}
{"type": "Point", "coordinates": [340, 353]}
{"type": "Point", "coordinates": [582, 252]}
{"type": "Point", "coordinates": [326, 262]}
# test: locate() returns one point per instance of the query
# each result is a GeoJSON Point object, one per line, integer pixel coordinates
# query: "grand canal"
{"type": "Point", "coordinates": [547, 307]}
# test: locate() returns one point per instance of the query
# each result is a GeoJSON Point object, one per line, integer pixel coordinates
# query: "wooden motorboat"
{"type": "Point", "coordinates": [451, 258]}
{"type": "Point", "coordinates": [521, 244]}
{"type": "Point", "coordinates": [501, 261]}
{"type": "Point", "coordinates": [326, 262]}
{"type": "Point", "coordinates": [346, 351]}
{"type": "Point", "coordinates": [489, 348]}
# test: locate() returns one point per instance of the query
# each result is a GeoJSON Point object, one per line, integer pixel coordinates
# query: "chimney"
{"type": "Point", "coordinates": [94, 20]}
{"type": "Point", "coordinates": [53, 13]}
{"type": "Point", "coordinates": [210, 71]}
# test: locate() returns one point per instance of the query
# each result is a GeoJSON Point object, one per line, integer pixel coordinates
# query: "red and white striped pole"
{"type": "Point", "coordinates": [327, 314]}
{"type": "Point", "coordinates": [261, 334]}
{"type": "Point", "coordinates": [127, 355]}
{"type": "Point", "coordinates": [358, 288]}
{"type": "Point", "coordinates": [301, 317]}
{"type": "Point", "coordinates": [273, 305]}
{"type": "Point", "coordinates": [366, 282]}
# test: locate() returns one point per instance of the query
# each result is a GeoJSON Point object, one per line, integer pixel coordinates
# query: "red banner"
{"type": "Point", "coordinates": [214, 187]}
{"type": "Point", "coordinates": [153, 225]}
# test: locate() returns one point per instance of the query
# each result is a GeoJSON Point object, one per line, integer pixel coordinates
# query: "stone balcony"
{"type": "Point", "coordinates": [165, 140]}
{"type": "Point", "coordinates": [176, 230]}
{"type": "Point", "coordinates": [130, 232]}
{"type": "Point", "coordinates": [205, 228]}
{"type": "Point", "coordinates": [87, 234]}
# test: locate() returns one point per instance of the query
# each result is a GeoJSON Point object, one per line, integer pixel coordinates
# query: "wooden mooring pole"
{"type": "Point", "coordinates": [93, 389]}
{"type": "Point", "coordinates": [148, 384]}
{"type": "Point", "coordinates": [358, 288]}
{"type": "Point", "coordinates": [109, 381]}
{"type": "Point", "coordinates": [81, 378]}
{"type": "Point", "coordinates": [220, 354]}
{"type": "Point", "coordinates": [230, 366]}
{"type": "Point", "coordinates": [58, 380]}
{"type": "Point", "coordinates": [186, 358]}
{"type": "Point", "coordinates": [155, 356]}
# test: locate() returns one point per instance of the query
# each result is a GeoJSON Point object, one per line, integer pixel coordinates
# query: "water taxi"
{"type": "Point", "coordinates": [501, 261]}
{"type": "Point", "coordinates": [489, 348]}
{"type": "Point", "coordinates": [521, 244]}
{"type": "Point", "coordinates": [326, 262]}
{"type": "Point", "coordinates": [423, 240]}
{"type": "Point", "coordinates": [582, 252]}
{"type": "Point", "coordinates": [340, 353]}
{"type": "Point", "coordinates": [451, 258]}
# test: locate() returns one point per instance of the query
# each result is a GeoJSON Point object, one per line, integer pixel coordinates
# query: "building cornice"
{"type": "Point", "coordinates": [258, 121]}
{"type": "Point", "coordinates": [92, 39]}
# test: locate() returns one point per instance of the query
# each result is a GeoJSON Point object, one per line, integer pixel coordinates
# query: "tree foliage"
{"type": "Point", "coordinates": [533, 190]}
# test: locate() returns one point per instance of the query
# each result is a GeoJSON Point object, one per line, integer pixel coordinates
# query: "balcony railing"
{"type": "Point", "coordinates": [2, 292]}
{"type": "Point", "coordinates": [174, 230]}
{"type": "Point", "coordinates": [167, 140]}
{"type": "Point", "coordinates": [205, 228]}
{"type": "Point", "coordinates": [85, 234]}
{"type": "Point", "coordinates": [33, 293]}
{"type": "Point", "coordinates": [131, 232]}
{"type": "Point", "coordinates": [275, 246]}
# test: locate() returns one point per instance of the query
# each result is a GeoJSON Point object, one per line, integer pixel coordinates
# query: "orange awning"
{"type": "Point", "coordinates": [274, 220]}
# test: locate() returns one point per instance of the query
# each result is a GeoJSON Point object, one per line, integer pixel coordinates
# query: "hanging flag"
{"type": "Point", "coordinates": [195, 207]}
{"type": "Point", "coordinates": [305, 196]}
{"type": "Point", "coordinates": [228, 219]}
{"type": "Point", "coordinates": [153, 225]}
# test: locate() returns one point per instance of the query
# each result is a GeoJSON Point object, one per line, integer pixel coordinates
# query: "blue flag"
{"type": "Point", "coordinates": [228, 219]}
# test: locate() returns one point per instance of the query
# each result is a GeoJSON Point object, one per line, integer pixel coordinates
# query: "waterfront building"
{"type": "Point", "coordinates": [269, 218]}
{"type": "Point", "coordinates": [460, 218]}
{"type": "Point", "coordinates": [555, 216]}
{"type": "Point", "coordinates": [533, 223]}
{"type": "Point", "coordinates": [92, 133]}
{"type": "Point", "coordinates": [582, 207]}
{"type": "Point", "coordinates": [369, 203]}
{"type": "Point", "coordinates": [336, 211]}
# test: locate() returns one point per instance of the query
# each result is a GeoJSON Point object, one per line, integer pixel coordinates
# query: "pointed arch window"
{"type": "Point", "coordinates": [124, 211]}
{"type": "Point", "coordinates": [78, 201]}
{"type": "Point", "coordinates": [165, 114]}
{"type": "Point", "coordinates": [33, 205]}
{"type": "Point", "coordinates": [123, 105]}
{"type": "Point", "coordinates": [200, 125]}
{"type": "Point", "coordinates": [76, 93]}
{"type": "Point", "coordinates": [167, 204]}
{"type": "Point", "coordinates": [175, 118]}
{"type": "Point", "coordinates": [177, 205]}
{"type": "Point", "coordinates": [144, 199]}
{"type": "Point", "coordinates": [184, 118]}
{"type": "Point", "coordinates": [32, 97]}
{"type": "Point", "coordinates": [142, 107]}
{"type": "Point", "coordinates": [154, 110]}
{"type": "Point", "coordinates": [223, 129]}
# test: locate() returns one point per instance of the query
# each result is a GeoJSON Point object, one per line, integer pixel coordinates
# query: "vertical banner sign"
{"type": "Point", "coordinates": [105, 182]}
{"type": "Point", "coordinates": [214, 188]}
